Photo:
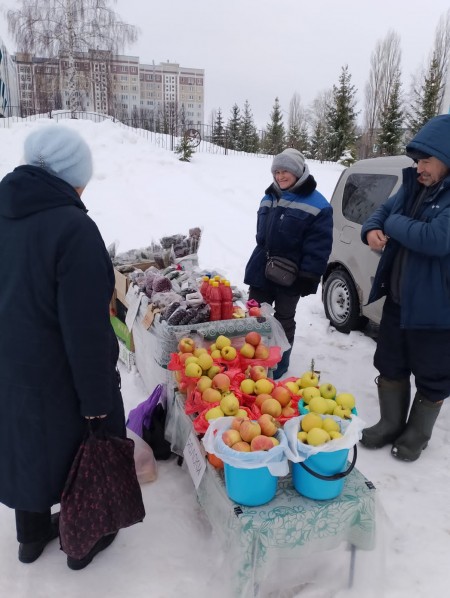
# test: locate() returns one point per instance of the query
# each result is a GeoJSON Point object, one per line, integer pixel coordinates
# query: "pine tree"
{"type": "Point", "coordinates": [391, 123]}
{"type": "Point", "coordinates": [184, 149]}
{"type": "Point", "coordinates": [318, 147]}
{"type": "Point", "coordinates": [249, 139]}
{"type": "Point", "coordinates": [274, 141]}
{"type": "Point", "coordinates": [341, 117]}
{"type": "Point", "coordinates": [234, 128]}
{"type": "Point", "coordinates": [218, 136]}
{"type": "Point", "coordinates": [427, 97]}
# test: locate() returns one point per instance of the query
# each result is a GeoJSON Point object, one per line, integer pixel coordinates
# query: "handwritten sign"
{"type": "Point", "coordinates": [194, 459]}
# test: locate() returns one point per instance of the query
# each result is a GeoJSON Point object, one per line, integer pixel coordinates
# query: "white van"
{"type": "Point", "coordinates": [352, 265]}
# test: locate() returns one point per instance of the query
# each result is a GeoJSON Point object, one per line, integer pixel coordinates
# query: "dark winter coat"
{"type": "Point", "coordinates": [425, 291]}
{"type": "Point", "coordinates": [296, 224]}
{"type": "Point", "coordinates": [58, 350]}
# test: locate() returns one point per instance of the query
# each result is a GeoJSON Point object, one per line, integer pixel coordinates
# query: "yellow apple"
{"type": "Point", "coordinates": [341, 412]}
{"type": "Point", "coordinates": [222, 341]}
{"type": "Point", "coordinates": [203, 383]}
{"type": "Point", "coordinates": [247, 386]}
{"type": "Point", "coordinates": [327, 390]}
{"type": "Point", "coordinates": [200, 351]}
{"type": "Point", "coordinates": [193, 370]}
{"type": "Point", "coordinates": [309, 393]}
{"type": "Point", "coordinates": [213, 370]}
{"type": "Point", "coordinates": [330, 425]}
{"type": "Point", "coordinates": [317, 436]}
{"type": "Point", "coordinates": [241, 446]}
{"type": "Point", "coordinates": [345, 400]}
{"type": "Point", "coordinates": [228, 353]}
{"type": "Point", "coordinates": [242, 413]}
{"type": "Point", "coordinates": [272, 407]}
{"type": "Point", "coordinates": [263, 385]}
{"type": "Point", "coordinates": [308, 379]}
{"type": "Point", "coordinates": [214, 413]}
{"type": "Point", "coordinates": [229, 404]}
{"type": "Point", "coordinates": [247, 350]}
{"type": "Point", "coordinates": [211, 395]}
{"type": "Point", "coordinates": [318, 405]}
{"type": "Point", "coordinates": [191, 359]}
{"type": "Point", "coordinates": [334, 435]}
{"type": "Point", "coordinates": [311, 420]}
{"type": "Point", "coordinates": [205, 361]}
{"type": "Point", "coordinates": [292, 386]}
{"type": "Point", "coordinates": [331, 406]}
{"type": "Point", "coordinates": [302, 436]}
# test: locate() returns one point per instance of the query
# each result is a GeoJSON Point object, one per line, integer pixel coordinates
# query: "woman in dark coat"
{"type": "Point", "coordinates": [58, 349]}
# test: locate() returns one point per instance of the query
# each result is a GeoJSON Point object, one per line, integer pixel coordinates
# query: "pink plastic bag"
{"type": "Point", "coordinates": [144, 459]}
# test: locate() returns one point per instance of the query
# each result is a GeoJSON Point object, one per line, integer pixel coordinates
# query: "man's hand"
{"type": "Point", "coordinates": [376, 239]}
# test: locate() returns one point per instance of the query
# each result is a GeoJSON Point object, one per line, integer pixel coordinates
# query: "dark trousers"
{"type": "Point", "coordinates": [32, 527]}
{"type": "Point", "coordinates": [423, 353]}
{"type": "Point", "coordinates": [285, 305]}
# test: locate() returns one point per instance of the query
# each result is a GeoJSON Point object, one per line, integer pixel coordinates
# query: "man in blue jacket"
{"type": "Point", "coordinates": [412, 229]}
{"type": "Point", "coordinates": [295, 221]}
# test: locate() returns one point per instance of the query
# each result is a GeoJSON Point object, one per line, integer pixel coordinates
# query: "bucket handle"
{"type": "Point", "coordinates": [335, 476]}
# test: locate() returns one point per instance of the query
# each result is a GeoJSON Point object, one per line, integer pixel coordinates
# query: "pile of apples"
{"type": "Point", "coordinates": [253, 347]}
{"type": "Point", "coordinates": [217, 390]}
{"type": "Point", "coordinates": [246, 435]}
{"type": "Point", "coordinates": [269, 398]}
{"type": "Point", "coordinates": [324, 400]}
{"type": "Point", "coordinates": [316, 431]}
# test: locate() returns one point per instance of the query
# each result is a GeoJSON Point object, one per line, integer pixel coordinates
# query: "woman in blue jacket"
{"type": "Point", "coordinates": [58, 348]}
{"type": "Point", "coordinates": [295, 221]}
{"type": "Point", "coordinates": [413, 230]}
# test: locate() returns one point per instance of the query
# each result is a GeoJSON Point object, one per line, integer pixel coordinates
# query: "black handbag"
{"type": "Point", "coordinates": [102, 493]}
{"type": "Point", "coordinates": [281, 271]}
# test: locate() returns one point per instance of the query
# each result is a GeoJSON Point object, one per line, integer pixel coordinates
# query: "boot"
{"type": "Point", "coordinates": [30, 551]}
{"type": "Point", "coordinates": [418, 429]}
{"type": "Point", "coordinates": [283, 365]}
{"type": "Point", "coordinates": [394, 398]}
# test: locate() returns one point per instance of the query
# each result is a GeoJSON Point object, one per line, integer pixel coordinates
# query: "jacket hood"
{"type": "Point", "coordinates": [433, 139]}
{"type": "Point", "coordinates": [30, 189]}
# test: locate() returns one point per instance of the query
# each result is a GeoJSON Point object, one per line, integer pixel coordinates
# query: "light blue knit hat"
{"type": "Point", "coordinates": [60, 151]}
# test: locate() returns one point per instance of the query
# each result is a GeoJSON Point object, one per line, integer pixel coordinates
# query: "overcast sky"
{"type": "Point", "coordinates": [260, 49]}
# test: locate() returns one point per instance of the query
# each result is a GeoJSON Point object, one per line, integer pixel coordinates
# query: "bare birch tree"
{"type": "Point", "coordinates": [384, 70]}
{"type": "Point", "coordinates": [64, 28]}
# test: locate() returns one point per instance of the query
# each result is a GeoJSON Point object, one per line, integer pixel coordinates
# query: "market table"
{"type": "Point", "coordinates": [277, 545]}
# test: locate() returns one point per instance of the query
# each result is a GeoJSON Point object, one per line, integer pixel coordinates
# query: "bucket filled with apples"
{"type": "Point", "coordinates": [318, 446]}
{"type": "Point", "coordinates": [254, 456]}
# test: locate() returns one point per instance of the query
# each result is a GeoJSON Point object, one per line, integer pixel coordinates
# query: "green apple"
{"type": "Point", "coordinates": [247, 386]}
{"type": "Point", "coordinates": [309, 393]}
{"type": "Point", "coordinates": [317, 436]}
{"type": "Point", "coordinates": [214, 413]}
{"type": "Point", "coordinates": [327, 390]}
{"type": "Point", "coordinates": [308, 379]}
{"type": "Point", "coordinates": [318, 405]}
{"type": "Point", "coordinates": [229, 404]}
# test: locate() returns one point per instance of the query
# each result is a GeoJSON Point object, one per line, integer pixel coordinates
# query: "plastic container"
{"type": "Point", "coordinates": [227, 300]}
{"type": "Point", "coordinates": [250, 487]}
{"type": "Point", "coordinates": [327, 464]}
{"type": "Point", "coordinates": [204, 287]}
{"type": "Point", "coordinates": [215, 302]}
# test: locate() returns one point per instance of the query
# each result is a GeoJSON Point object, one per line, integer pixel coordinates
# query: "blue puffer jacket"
{"type": "Point", "coordinates": [298, 225]}
{"type": "Point", "coordinates": [425, 292]}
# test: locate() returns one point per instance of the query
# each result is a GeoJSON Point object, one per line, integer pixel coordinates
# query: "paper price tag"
{"type": "Point", "coordinates": [194, 459]}
{"type": "Point", "coordinates": [134, 299]}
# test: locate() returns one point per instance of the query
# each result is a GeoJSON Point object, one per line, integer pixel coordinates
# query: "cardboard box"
{"type": "Point", "coordinates": [122, 332]}
{"type": "Point", "coordinates": [126, 356]}
{"type": "Point", "coordinates": [123, 281]}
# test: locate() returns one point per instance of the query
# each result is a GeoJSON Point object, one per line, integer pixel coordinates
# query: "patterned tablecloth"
{"type": "Point", "coordinates": [276, 545]}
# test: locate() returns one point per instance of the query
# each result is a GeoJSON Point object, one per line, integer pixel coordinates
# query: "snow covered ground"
{"type": "Point", "coordinates": [140, 193]}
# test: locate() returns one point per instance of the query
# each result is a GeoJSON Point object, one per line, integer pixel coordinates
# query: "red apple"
{"type": "Point", "coordinates": [269, 425]}
{"type": "Point", "coordinates": [255, 312]}
{"type": "Point", "coordinates": [282, 395]}
{"type": "Point", "coordinates": [261, 443]}
{"type": "Point", "coordinates": [257, 372]}
{"type": "Point", "coordinates": [230, 437]}
{"type": "Point", "coordinates": [249, 429]}
{"type": "Point", "coordinates": [253, 338]}
{"type": "Point", "coordinates": [272, 407]}
{"type": "Point", "coordinates": [262, 351]}
{"type": "Point", "coordinates": [221, 382]}
{"type": "Point", "coordinates": [261, 398]}
{"type": "Point", "coordinates": [186, 345]}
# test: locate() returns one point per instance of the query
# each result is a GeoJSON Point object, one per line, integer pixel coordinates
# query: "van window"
{"type": "Point", "coordinates": [363, 193]}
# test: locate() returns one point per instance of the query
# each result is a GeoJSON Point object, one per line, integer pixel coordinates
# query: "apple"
{"type": "Point", "coordinates": [255, 312]}
{"type": "Point", "coordinates": [317, 436]}
{"type": "Point", "coordinates": [247, 350]}
{"type": "Point", "coordinates": [247, 386]}
{"type": "Point", "coordinates": [289, 411]}
{"type": "Point", "coordinates": [242, 413]}
{"type": "Point", "coordinates": [318, 405]}
{"type": "Point", "coordinates": [242, 446]}
{"type": "Point", "coordinates": [274, 440]}
{"type": "Point", "coordinates": [263, 385]}
{"type": "Point", "coordinates": [292, 386]}
{"type": "Point", "coordinates": [211, 395]}
{"type": "Point", "coordinates": [308, 379]}
{"type": "Point", "coordinates": [200, 351]}
{"type": "Point", "coordinates": [216, 354]}
{"type": "Point", "coordinates": [190, 359]}
{"type": "Point", "coordinates": [262, 351]}
{"type": "Point", "coordinates": [257, 372]}
{"type": "Point", "coordinates": [269, 425]}
{"type": "Point", "coordinates": [282, 395]}
{"type": "Point", "coordinates": [212, 347]}
{"type": "Point", "coordinates": [302, 436]}
{"type": "Point", "coordinates": [342, 412]}
{"type": "Point", "coordinates": [229, 404]}
{"type": "Point", "coordinates": [230, 437]}
{"type": "Point", "coordinates": [330, 425]}
{"type": "Point", "coordinates": [327, 390]}
{"type": "Point", "coordinates": [345, 400]}
{"type": "Point", "coordinates": [236, 422]}
{"type": "Point", "coordinates": [214, 413]}
{"type": "Point", "coordinates": [311, 420]}
{"type": "Point", "coordinates": [271, 406]}
{"type": "Point", "coordinates": [249, 429]}
{"type": "Point", "coordinates": [205, 361]}
{"type": "Point", "coordinates": [259, 400]}
{"type": "Point", "coordinates": [193, 370]}
{"type": "Point", "coordinates": [334, 435]}
{"type": "Point", "coordinates": [185, 356]}
{"type": "Point", "coordinates": [309, 393]}
{"type": "Point", "coordinates": [213, 370]}
{"type": "Point", "coordinates": [203, 383]}
{"type": "Point", "coordinates": [222, 341]}
{"type": "Point", "coordinates": [253, 338]}
{"type": "Point", "coordinates": [331, 406]}
{"type": "Point", "coordinates": [228, 353]}
{"type": "Point", "coordinates": [261, 443]}
{"type": "Point", "coordinates": [221, 381]}
{"type": "Point", "coordinates": [186, 345]}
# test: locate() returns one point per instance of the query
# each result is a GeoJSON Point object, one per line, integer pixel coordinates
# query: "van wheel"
{"type": "Point", "coordinates": [341, 302]}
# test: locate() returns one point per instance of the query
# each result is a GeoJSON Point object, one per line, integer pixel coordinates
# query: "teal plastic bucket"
{"type": "Point", "coordinates": [250, 487]}
{"type": "Point", "coordinates": [322, 476]}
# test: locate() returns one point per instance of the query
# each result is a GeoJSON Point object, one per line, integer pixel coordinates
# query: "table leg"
{"type": "Point", "coordinates": [351, 575]}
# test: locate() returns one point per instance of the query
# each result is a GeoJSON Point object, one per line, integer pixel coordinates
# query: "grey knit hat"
{"type": "Point", "coordinates": [60, 151]}
{"type": "Point", "coordinates": [291, 160]}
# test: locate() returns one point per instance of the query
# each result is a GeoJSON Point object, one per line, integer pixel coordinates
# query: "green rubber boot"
{"type": "Point", "coordinates": [394, 397]}
{"type": "Point", "coordinates": [409, 446]}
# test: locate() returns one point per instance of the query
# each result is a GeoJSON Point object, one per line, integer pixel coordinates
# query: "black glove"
{"type": "Point", "coordinates": [307, 286]}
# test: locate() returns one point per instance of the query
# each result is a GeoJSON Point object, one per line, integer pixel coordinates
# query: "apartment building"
{"type": "Point", "coordinates": [9, 100]}
{"type": "Point", "coordinates": [117, 85]}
